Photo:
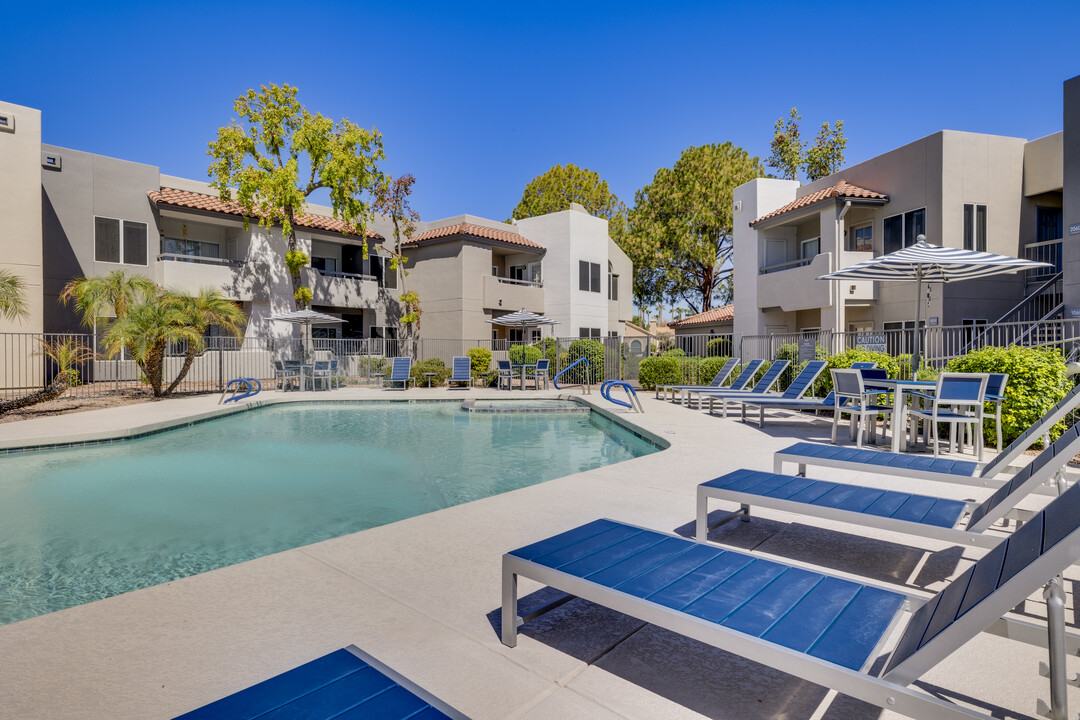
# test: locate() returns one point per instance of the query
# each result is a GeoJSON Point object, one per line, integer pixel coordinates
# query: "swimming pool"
{"type": "Point", "coordinates": [86, 523]}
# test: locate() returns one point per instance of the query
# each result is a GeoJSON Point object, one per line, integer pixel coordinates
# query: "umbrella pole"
{"type": "Point", "coordinates": [918, 308]}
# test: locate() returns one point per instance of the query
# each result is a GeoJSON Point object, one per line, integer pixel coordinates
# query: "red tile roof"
{"type": "Point", "coordinates": [210, 203]}
{"type": "Point", "coordinates": [725, 313]}
{"type": "Point", "coordinates": [842, 190]}
{"type": "Point", "coordinates": [478, 231]}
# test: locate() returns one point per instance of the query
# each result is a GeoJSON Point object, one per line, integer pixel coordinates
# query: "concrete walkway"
{"type": "Point", "coordinates": [423, 595]}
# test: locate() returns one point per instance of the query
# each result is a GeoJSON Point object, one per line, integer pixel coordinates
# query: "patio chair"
{"type": "Point", "coordinates": [848, 385]}
{"type": "Point", "coordinates": [995, 393]}
{"type": "Point", "coordinates": [538, 372]}
{"type": "Point", "coordinates": [717, 381]}
{"type": "Point", "coordinates": [790, 399]}
{"type": "Point", "coordinates": [321, 374]}
{"type": "Point", "coordinates": [461, 373]}
{"type": "Point", "coordinates": [761, 388]}
{"type": "Point", "coordinates": [335, 378]}
{"type": "Point", "coordinates": [399, 373]}
{"type": "Point", "coordinates": [506, 373]}
{"type": "Point", "coordinates": [964, 472]}
{"type": "Point", "coordinates": [284, 374]}
{"type": "Point", "coordinates": [347, 681]}
{"type": "Point", "coordinates": [863, 365]}
{"type": "Point", "coordinates": [814, 624]}
{"type": "Point", "coordinates": [740, 382]}
{"type": "Point", "coordinates": [957, 400]}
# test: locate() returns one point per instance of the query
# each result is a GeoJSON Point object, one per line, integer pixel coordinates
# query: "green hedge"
{"type": "Point", "coordinates": [524, 353]}
{"type": "Point", "coordinates": [588, 348]}
{"type": "Point", "coordinates": [1036, 383]}
{"type": "Point", "coordinates": [655, 371]}
{"type": "Point", "coordinates": [884, 361]}
{"type": "Point", "coordinates": [431, 365]}
{"type": "Point", "coordinates": [718, 347]}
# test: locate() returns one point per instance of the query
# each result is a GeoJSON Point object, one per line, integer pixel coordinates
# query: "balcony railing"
{"type": "Point", "coordinates": [354, 276]}
{"type": "Point", "coordinates": [785, 265]}
{"type": "Point", "coordinates": [526, 283]}
{"type": "Point", "coordinates": [173, 257]}
{"type": "Point", "coordinates": [1049, 252]}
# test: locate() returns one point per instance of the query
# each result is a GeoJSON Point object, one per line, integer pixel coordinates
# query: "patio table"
{"type": "Point", "coordinates": [523, 367]}
{"type": "Point", "coordinates": [429, 376]}
{"type": "Point", "coordinates": [899, 388]}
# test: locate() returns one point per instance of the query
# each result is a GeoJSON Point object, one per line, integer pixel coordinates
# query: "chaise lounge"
{"type": "Point", "coordinates": [717, 381]}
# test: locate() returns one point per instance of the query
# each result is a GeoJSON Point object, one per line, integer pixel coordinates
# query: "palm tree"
{"type": "Point", "coordinates": [66, 354]}
{"type": "Point", "coordinates": [145, 329]}
{"type": "Point", "coordinates": [12, 302]}
{"type": "Point", "coordinates": [199, 313]}
{"type": "Point", "coordinates": [117, 291]}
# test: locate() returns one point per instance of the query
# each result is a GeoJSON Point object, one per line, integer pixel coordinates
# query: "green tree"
{"type": "Point", "coordinates": [392, 200]}
{"type": "Point", "coordinates": [12, 300]}
{"type": "Point", "coordinates": [790, 154]}
{"type": "Point", "coordinates": [66, 354]}
{"type": "Point", "coordinates": [682, 221]}
{"type": "Point", "coordinates": [563, 184]}
{"type": "Point", "coordinates": [279, 153]}
{"type": "Point", "coordinates": [116, 292]}
{"type": "Point", "coordinates": [199, 313]}
{"type": "Point", "coordinates": [146, 330]}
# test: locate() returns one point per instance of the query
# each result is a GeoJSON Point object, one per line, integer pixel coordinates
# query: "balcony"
{"type": "Point", "coordinates": [340, 289]}
{"type": "Point", "coordinates": [794, 285]}
{"type": "Point", "coordinates": [191, 273]}
{"type": "Point", "coordinates": [508, 294]}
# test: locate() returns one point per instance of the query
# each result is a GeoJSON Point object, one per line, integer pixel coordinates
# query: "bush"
{"type": "Point", "coordinates": [593, 351]}
{"type": "Point", "coordinates": [480, 359]}
{"type": "Point", "coordinates": [369, 365]}
{"type": "Point", "coordinates": [655, 371]}
{"type": "Point", "coordinates": [708, 368]}
{"type": "Point", "coordinates": [1036, 383]}
{"type": "Point", "coordinates": [431, 365]}
{"type": "Point", "coordinates": [886, 362]}
{"type": "Point", "coordinates": [718, 347]}
{"type": "Point", "coordinates": [550, 348]}
{"type": "Point", "coordinates": [675, 352]}
{"type": "Point", "coordinates": [524, 353]}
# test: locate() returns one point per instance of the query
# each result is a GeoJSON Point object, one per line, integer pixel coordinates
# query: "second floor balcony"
{"type": "Point", "coordinates": [191, 273]}
{"type": "Point", "coordinates": [341, 289]}
{"type": "Point", "coordinates": [794, 285]}
{"type": "Point", "coordinates": [510, 294]}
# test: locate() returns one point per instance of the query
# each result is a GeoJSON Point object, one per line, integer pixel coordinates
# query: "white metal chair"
{"type": "Point", "coordinates": [321, 374]}
{"type": "Point", "coordinates": [957, 400]}
{"type": "Point", "coordinates": [853, 398]}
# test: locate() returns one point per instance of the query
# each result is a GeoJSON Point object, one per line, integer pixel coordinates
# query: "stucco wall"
{"type": "Point", "coordinates": [20, 210]}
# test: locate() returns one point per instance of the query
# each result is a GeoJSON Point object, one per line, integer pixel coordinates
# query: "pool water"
{"type": "Point", "coordinates": [86, 523]}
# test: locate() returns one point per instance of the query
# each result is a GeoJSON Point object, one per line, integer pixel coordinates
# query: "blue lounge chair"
{"type": "Point", "coordinates": [345, 683]}
{"type": "Point", "coordinates": [770, 378]}
{"type": "Point", "coordinates": [966, 472]}
{"type": "Point", "coordinates": [810, 623]}
{"type": "Point", "coordinates": [790, 399]}
{"type": "Point", "coordinates": [399, 373]}
{"type": "Point", "coordinates": [461, 373]}
{"type": "Point", "coordinates": [740, 382]}
{"type": "Point", "coordinates": [717, 382]}
{"type": "Point", "coordinates": [863, 365]}
{"type": "Point", "coordinates": [923, 515]}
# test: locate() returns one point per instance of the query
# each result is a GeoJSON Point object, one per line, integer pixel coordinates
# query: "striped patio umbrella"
{"type": "Point", "coordinates": [307, 318]}
{"type": "Point", "coordinates": [523, 319]}
{"type": "Point", "coordinates": [923, 262]}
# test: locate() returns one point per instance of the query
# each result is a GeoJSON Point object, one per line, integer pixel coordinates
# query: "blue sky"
{"type": "Point", "coordinates": [476, 99]}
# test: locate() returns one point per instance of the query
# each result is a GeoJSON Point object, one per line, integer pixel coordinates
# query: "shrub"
{"type": "Point", "coordinates": [886, 362]}
{"type": "Point", "coordinates": [655, 371]}
{"type": "Point", "coordinates": [718, 347]}
{"type": "Point", "coordinates": [524, 353]}
{"type": "Point", "coordinates": [1036, 383]}
{"type": "Point", "coordinates": [593, 350]}
{"type": "Point", "coordinates": [368, 365]}
{"type": "Point", "coordinates": [431, 365]}
{"type": "Point", "coordinates": [708, 368]}
{"type": "Point", "coordinates": [480, 359]}
{"type": "Point", "coordinates": [550, 348]}
{"type": "Point", "coordinates": [675, 352]}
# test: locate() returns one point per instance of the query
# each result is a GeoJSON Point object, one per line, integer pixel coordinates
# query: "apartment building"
{"type": "Point", "coordinates": [964, 190]}
{"type": "Point", "coordinates": [68, 213]}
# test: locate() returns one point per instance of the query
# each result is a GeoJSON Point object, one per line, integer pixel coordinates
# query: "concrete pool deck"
{"type": "Point", "coordinates": [423, 595]}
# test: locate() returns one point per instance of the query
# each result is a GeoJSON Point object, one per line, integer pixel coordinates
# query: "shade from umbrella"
{"type": "Point", "coordinates": [923, 262]}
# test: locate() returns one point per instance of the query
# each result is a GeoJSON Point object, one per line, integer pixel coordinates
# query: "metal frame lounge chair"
{"type": "Point", "coordinates": [958, 399]}
{"type": "Point", "coordinates": [540, 371]}
{"type": "Point", "coordinates": [922, 515]}
{"type": "Point", "coordinates": [345, 682]}
{"type": "Point", "coordinates": [461, 372]}
{"type": "Point", "coordinates": [744, 378]}
{"type": "Point", "coordinates": [761, 387]}
{"type": "Point", "coordinates": [965, 472]}
{"type": "Point", "coordinates": [810, 623]}
{"type": "Point", "coordinates": [399, 373]}
{"type": "Point", "coordinates": [791, 398]}
{"type": "Point", "coordinates": [717, 381]}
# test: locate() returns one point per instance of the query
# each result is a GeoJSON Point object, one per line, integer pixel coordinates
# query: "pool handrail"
{"type": "Point", "coordinates": [252, 387]}
{"type": "Point", "coordinates": [587, 386]}
{"type": "Point", "coordinates": [634, 404]}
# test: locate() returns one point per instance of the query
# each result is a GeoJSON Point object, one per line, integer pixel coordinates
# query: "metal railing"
{"type": "Point", "coordinates": [513, 281]}
{"type": "Point", "coordinates": [785, 265]}
{"type": "Point", "coordinates": [199, 259]}
{"type": "Point", "coordinates": [347, 275]}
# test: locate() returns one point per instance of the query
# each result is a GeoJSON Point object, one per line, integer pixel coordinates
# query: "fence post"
{"type": "Point", "coordinates": [221, 368]}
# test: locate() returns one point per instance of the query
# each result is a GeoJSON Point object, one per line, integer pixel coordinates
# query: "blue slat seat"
{"type": "Point", "coordinates": [342, 685]}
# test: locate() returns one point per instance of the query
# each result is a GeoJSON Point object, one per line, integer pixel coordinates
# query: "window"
{"type": "Point", "coordinates": [383, 332]}
{"type": "Point", "coordinates": [380, 268]}
{"type": "Point", "coordinates": [861, 239]}
{"type": "Point", "coordinates": [514, 334]}
{"type": "Point", "coordinates": [975, 227]}
{"type": "Point", "coordinates": [517, 272]}
{"type": "Point", "coordinates": [324, 264]}
{"type": "Point", "coordinates": [194, 248]}
{"type": "Point", "coordinates": [588, 276]}
{"type": "Point", "coordinates": [588, 332]}
{"type": "Point", "coordinates": [495, 271]}
{"type": "Point", "coordinates": [613, 287]}
{"type": "Point", "coordinates": [108, 247]}
{"type": "Point", "coordinates": [809, 248]}
{"type": "Point", "coordinates": [901, 231]}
